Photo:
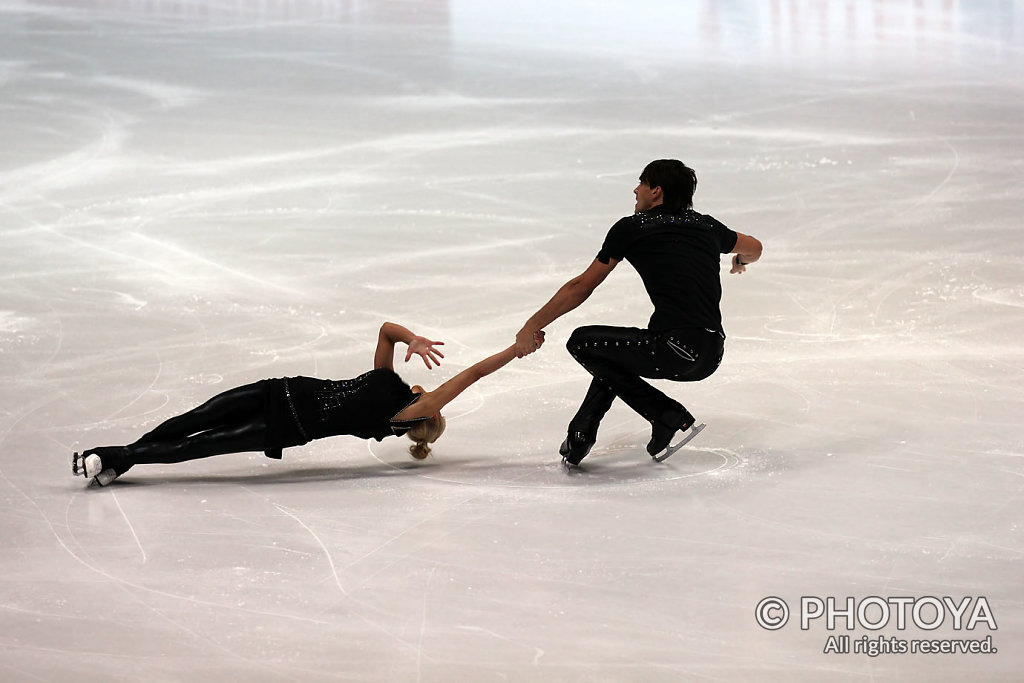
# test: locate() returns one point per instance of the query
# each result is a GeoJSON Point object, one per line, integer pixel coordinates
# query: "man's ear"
{"type": "Point", "coordinates": [656, 192]}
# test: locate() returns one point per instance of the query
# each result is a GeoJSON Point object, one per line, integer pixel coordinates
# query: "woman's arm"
{"type": "Point", "coordinates": [390, 334]}
{"type": "Point", "coordinates": [430, 403]}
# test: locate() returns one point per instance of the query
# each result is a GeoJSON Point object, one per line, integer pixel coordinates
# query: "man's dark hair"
{"type": "Point", "coordinates": [676, 180]}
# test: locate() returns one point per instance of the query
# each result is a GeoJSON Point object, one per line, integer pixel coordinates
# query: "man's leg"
{"type": "Point", "coordinates": [618, 358]}
{"type": "Point", "coordinates": [582, 434]}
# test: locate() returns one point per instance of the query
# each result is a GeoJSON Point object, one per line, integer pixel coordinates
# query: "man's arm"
{"type": "Point", "coordinates": [569, 296]}
{"type": "Point", "coordinates": [747, 250]}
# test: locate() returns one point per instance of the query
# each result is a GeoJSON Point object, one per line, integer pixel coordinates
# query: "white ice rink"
{"type": "Point", "coordinates": [196, 195]}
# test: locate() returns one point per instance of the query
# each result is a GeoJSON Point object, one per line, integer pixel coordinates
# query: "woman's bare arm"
{"type": "Point", "coordinates": [430, 403]}
{"type": "Point", "coordinates": [392, 333]}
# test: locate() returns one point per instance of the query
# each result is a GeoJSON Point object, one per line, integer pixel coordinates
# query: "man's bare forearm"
{"type": "Point", "coordinates": [568, 297]}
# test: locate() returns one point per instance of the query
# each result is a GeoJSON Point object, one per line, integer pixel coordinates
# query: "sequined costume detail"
{"type": "Point", "coordinates": [295, 413]}
{"type": "Point", "coordinates": [362, 406]}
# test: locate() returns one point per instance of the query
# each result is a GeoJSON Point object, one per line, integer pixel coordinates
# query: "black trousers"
{"type": "Point", "coordinates": [619, 357]}
{"type": "Point", "coordinates": [231, 422]}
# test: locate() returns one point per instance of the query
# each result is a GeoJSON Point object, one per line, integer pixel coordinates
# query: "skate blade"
{"type": "Point", "coordinates": [692, 432]}
{"type": "Point", "coordinates": [570, 467]}
{"type": "Point", "coordinates": [105, 477]}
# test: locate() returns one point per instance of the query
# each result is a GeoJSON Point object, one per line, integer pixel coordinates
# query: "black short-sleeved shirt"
{"type": "Point", "coordinates": [678, 257]}
{"type": "Point", "coordinates": [300, 409]}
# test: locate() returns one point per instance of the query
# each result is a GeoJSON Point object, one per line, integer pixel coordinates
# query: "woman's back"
{"type": "Point", "coordinates": [362, 406]}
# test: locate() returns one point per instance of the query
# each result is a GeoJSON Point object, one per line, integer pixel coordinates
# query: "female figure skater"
{"type": "Point", "coordinates": [274, 414]}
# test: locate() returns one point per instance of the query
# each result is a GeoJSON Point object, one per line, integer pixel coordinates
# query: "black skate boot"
{"type": "Point", "coordinates": [662, 432]}
{"type": "Point", "coordinates": [103, 465]}
{"type": "Point", "coordinates": [575, 447]}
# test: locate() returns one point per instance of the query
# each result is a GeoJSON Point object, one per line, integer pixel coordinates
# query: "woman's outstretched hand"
{"type": "Point", "coordinates": [424, 348]}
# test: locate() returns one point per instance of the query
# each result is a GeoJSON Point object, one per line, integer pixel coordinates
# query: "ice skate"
{"type": "Point", "coordinates": [87, 466]}
{"type": "Point", "coordinates": [575, 447]}
{"type": "Point", "coordinates": [102, 465]}
{"type": "Point", "coordinates": [665, 427]}
{"type": "Point", "coordinates": [569, 467]}
{"type": "Point", "coordinates": [668, 449]}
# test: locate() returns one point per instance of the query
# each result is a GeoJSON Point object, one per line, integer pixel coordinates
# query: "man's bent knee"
{"type": "Point", "coordinates": [576, 341]}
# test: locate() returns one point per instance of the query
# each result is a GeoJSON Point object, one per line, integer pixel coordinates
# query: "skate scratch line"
{"type": "Point", "coordinates": [69, 525]}
{"type": "Point", "coordinates": [538, 653]}
{"type": "Point", "coordinates": [130, 527]}
{"type": "Point", "coordinates": [330, 560]}
{"type": "Point", "coordinates": [423, 626]}
{"type": "Point", "coordinates": [172, 247]}
{"type": "Point", "coordinates": [145, 391]}
{"type": "Point", "coordinates": [369, 621]}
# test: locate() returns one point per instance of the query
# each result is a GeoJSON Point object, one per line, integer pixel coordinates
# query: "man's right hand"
{"type": "Point", "coordinates": [528, 341]}
{"type": "Point", "coordinates": [568, 297]}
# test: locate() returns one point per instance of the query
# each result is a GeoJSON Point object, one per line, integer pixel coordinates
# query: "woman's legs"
{"type": "Point", "coordinates": [236, 405]}
{"type": "Point", "coordinates": [238, 438]}
{"type": "Point", "coordinates": [231, 422]}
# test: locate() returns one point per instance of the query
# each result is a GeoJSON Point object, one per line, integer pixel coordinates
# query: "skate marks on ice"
{"type": "Point", "coordinates": [527, 456]}
{"type": "Point", "coordinates": [623, 461]}
{"type": "Point", "coordinates": [100, 548]}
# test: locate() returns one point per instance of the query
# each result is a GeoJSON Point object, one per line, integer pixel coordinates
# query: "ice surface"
{"type": "Point", "coordinates": [198, 195]}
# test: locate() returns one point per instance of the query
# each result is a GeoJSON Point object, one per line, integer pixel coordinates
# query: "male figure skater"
{"type": "Point", "coordinates": [677, 253]}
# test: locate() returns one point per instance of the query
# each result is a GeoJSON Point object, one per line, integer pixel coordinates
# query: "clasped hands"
{"type": "Point", "coordinates": [528, 341]}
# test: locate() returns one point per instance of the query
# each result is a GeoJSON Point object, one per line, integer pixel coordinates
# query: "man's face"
{"type": "Point", "coordinates": [646, 197]}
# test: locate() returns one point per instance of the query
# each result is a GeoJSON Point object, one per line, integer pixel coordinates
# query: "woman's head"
{"type": "Point", "coordinates": [426, 432]}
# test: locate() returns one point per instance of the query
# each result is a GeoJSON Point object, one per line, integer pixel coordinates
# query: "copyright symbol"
{"type": "Point", "coordinates": [772, 613]}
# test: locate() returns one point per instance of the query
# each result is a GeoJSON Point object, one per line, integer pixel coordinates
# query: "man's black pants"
{"type": "Point", "coordinates": [618, 357]}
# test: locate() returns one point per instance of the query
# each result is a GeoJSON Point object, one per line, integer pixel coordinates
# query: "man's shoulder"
{"type": "Point", "coordinates": [625, 220]}
{"type": "Point", "coordinates": [690, 217]}
{"type": "Point", "coordinates": [641, 219]}
{"type": "Point", "coordinates": [647, 219]}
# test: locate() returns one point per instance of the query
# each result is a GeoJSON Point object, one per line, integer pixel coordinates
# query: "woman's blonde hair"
{"type": "Point", "coordinates": [423, 433]}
